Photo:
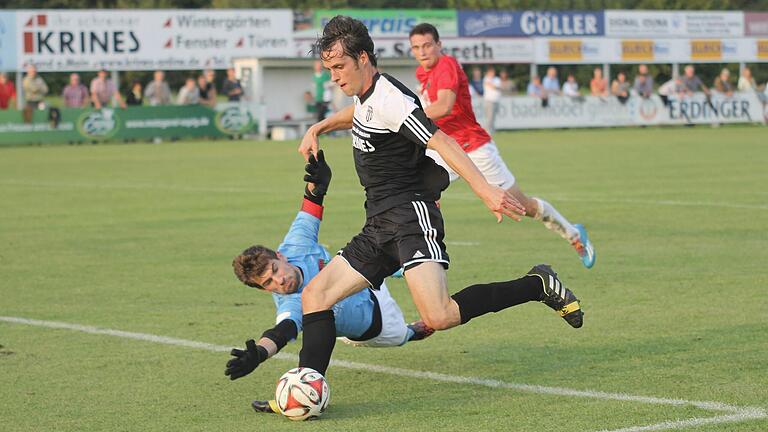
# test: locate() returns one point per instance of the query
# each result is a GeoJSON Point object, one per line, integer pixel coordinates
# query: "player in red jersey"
{"type": "Point", "coordinates": [445, 93]}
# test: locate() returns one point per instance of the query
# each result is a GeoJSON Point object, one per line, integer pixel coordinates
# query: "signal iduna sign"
{"type": "Point", "coordinates": [56, 40]}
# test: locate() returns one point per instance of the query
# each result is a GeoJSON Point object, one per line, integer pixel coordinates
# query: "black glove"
{"type": "Point", "coordinates": [319, 173]}
{"type": "Point", "coordinates": [245, 361]}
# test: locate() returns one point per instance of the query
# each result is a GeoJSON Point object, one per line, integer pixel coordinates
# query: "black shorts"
{"type": "Point", "coordinates": [403, 236]}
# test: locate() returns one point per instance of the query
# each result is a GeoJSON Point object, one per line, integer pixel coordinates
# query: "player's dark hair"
{"type": "Point", "coordinates": [423, 29]}
{"type": "Point", "coordinates": [351, 33]}
{"type": "Point", "coordinates": [251, 263]}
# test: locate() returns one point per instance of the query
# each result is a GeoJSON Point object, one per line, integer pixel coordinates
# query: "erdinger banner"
{"type": "Point", "coordinates": [82, 40]}
{"type": "Point", "coordinates": [531, 23]}
{"type": "Point", "coordinates": [739, 108]}
{"type": "Point", "coordinates": [563, 112]}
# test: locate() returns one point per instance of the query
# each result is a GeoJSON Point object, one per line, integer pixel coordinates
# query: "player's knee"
{"type": "Point", "coordinates": [531, 207]}
{"type": "Point", "coordinates": [440, 320]}
{"type": "Point", "coordinates": [313, 299]}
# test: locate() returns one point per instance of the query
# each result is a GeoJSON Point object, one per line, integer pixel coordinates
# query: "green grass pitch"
{"type": "Point", "coordinates": [140, 238]}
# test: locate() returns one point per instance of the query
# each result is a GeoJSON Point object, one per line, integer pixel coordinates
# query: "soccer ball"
{"type": "Point", "coordinates": [302, 393]}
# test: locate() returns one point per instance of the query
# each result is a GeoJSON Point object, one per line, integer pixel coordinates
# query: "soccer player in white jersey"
{"type": "Point", "coordinates": [367, 318]}
{"type": "Point", "coordinates": [404, 227]}
{"type": "Point", "coordinates": [445, 90]}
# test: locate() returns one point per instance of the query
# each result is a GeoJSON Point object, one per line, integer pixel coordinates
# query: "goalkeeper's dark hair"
{"type": "Point", "coordinates": [251, 263]}
{"type": "Point", "coordinates": [351, 33]}
{"type": "Point", "coordinates": [424, 29]}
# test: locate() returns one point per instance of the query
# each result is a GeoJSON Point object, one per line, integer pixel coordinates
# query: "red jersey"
{"type": "Point", "coordinates": [7, 91]}
{"type": "Point", "coordinates": [460, 124]}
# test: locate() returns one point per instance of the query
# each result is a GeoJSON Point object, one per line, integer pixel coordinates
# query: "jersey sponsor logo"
{"type": "Point", "coordinates": [360, 141]}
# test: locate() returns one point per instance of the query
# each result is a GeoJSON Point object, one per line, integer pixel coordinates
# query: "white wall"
{"type": "Point", "coordinates": [284, 86]}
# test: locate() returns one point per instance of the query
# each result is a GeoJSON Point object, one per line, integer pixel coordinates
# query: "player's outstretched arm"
{"type": "Point", "coordinates": [442, 106]}
{"type": "Point", "coordinates": [498, 200]}
{"type": "Point", "coordinates": [271, 342]}
{"type": "Point", "coordinates": [341, 120]}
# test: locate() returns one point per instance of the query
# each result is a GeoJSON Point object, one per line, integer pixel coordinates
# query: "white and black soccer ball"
{"type": "Point", "coordinates": [302, 394]}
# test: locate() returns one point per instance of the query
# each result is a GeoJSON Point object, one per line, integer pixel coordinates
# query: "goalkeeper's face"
{"type": "Point", "coordinates": [280, 277]}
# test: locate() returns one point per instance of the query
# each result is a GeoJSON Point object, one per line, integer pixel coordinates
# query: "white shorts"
{"type": "Point", "coordinates": [487, 160]}
{"type": "Point", "coordinates": [394, 331]}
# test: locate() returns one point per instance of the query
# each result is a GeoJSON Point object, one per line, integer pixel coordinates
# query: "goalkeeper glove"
{"type": "Point", "coordinates": [319, 173]}
{"type": "Point", "coordinates": [245, 361]}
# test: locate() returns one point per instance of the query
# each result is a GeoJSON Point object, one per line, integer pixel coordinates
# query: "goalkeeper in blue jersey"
{"type": "Point", "coordinates": [368, 318]}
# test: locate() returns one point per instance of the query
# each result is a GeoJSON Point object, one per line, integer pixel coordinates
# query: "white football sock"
{"type": "Point", "coordinates": [554, 221]}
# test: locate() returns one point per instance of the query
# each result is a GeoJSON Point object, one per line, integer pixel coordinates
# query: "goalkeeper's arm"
{"type": "Point", "coordinates": [271, 342]}
{"type": "Point", "coordinates": [274, 339]}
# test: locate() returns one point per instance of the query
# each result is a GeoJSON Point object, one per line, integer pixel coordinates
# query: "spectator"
{"type": "Point", "coordinates": [535, 89]}
{"type": "Point", "coordinates": [491, 96]}
{"type": "Point", "coordinates": [158, 92]}
{"type": "Point", "coordinates": [34, 89]}
{"type": "Point", "coordinates": [232, 87]}
{"type": "Point", "coordinates": [320, 78]}
{"type": "Point", "coordinates": [135, 94]}
{"type": "Point", "coordinates": [207, 92]}
{"type": "Point", "coordinates": [571, 89]}
{"type": "Point", "coordinates": [643, 82]}
{"type": "Point", "coordinates": [75, 94]}
{"type": "Point", "coordinates": [210, 78]}
{"type": "Point", "coordinates": [747, 84]}
{"type": "Point", "coordinates": [189, 93]}
{"type": "Point", "coordinates": [620, 87]}
{"type": "Point", "coordinates": [330, 107]}
{"type": "Point", "coordinates": [692, 83]}
{"type": "Point", "coordinates": [508, 86]}
{"type": "Point", "coordinates": [598, 86]}
{"type": "Point", "coordinates": [723, 84]}
{"type": "Point", "coordinates": [671, 88]}
{"type": "Point", "coordinates": [103, 90]}
{"type": "Point", "coordinates": [551, 83]}
{"type": "Point", "coordinates": [7, 92]}
{"type": "Point", "coordinates": [476, 83]}
{"type": "Point", "coordinates": [309, 102]}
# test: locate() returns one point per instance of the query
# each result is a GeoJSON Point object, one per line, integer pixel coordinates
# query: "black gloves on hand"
{"type": "Point", "coordinates": [245, 361]}
{"type": "Point", "coordinates": [319, 173]}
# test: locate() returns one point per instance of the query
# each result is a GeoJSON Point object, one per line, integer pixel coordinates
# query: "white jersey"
{"type": "Point", "coordinates": [394, 331]}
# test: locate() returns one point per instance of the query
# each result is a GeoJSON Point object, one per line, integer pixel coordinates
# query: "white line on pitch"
{"type": "Point", "coordinates": [693, 422]}
{"type": "Point", "coordinates": [737, 414]}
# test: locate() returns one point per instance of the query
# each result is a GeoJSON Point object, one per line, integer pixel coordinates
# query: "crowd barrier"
{"type": "Point", "coordinates": [68, 125]}
{"type": "Point", "coordinates": [525, 112]}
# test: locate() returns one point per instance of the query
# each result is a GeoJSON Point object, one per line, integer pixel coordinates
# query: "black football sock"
{"type": "Point", "coordinates": [476, 300]}
{"type": "Point", "coordinates": [318, 340]}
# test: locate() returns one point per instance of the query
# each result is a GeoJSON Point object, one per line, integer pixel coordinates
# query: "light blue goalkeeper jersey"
{"type": "Point", "coordinates": [354, 314]}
